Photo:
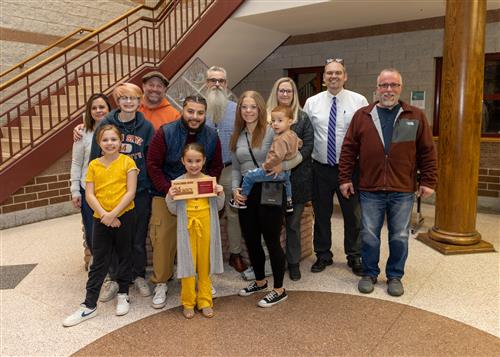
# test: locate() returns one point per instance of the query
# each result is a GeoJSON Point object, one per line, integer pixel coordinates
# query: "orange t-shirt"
{"type": "Point", "coordinates": [164, 113]}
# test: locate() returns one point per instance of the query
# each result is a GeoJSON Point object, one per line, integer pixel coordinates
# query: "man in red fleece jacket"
{"type": "Point", "coordinates": [392, 140]}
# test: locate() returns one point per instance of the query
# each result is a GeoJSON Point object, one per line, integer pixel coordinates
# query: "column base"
{"type": "Point", "coordinates": [449, 249]}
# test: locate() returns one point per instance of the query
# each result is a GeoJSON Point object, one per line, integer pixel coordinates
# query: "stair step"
{"type": "Point", "coordinates": [72, 99]}
{"type": "Point", "coordinates": [36, 123]}
{"type": "Point", "coordinates": [25, 132]}
{"type": "Point", "coordinates": [89, 90]}
{"type": "Point", "coordinates": [16, 144]}
{"type": "Point", "coordinates": [54, 112]}
{"type": "Point", "coordinates": [88, 79]}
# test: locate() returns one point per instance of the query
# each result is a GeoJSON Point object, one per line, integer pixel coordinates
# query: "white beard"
{"type": "Point", "coordinates": [216, 104]}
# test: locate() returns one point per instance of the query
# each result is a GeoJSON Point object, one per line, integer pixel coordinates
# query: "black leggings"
{"type": "Point", "coordinates": [106, 241]}
{"type": "Point", "coordinates": [257, 220]}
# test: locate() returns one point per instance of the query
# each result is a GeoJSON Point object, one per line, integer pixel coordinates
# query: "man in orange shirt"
{"type": "Point", "coordinates": [155, 107]}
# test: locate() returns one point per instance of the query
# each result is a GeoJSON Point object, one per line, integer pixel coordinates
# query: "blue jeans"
{"type": "Point", "coordinates": [260, 175]}
{"type": "Point", "coordinates": [374, 206]}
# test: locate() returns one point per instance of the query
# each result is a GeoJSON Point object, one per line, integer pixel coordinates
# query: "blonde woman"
{"type": "Point", "coordinates": [284, 92]}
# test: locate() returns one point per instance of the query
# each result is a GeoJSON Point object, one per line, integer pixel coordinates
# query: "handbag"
{"type": "Point", "coordinates": [272, 192]}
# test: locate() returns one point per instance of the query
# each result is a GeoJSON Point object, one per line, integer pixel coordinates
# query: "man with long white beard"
{"type": "Point", "coordinates": [220, 115]}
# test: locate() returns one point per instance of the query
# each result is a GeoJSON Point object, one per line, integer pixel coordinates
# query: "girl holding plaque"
{"type": "Point", "coordinates": [199, 250]}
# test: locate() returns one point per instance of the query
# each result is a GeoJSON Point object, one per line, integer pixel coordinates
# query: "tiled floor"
{"type": "Point", "coordinates": [464, 288]}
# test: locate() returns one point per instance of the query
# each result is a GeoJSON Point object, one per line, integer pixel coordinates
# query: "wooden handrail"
{"type": "Point", "coordinates": [41, 52]}
{"type": "Point", "coordinates": [77, 43]}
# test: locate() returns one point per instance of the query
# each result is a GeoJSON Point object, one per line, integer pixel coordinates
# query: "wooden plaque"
{"type": "Point", "coordinates": [195, 188]}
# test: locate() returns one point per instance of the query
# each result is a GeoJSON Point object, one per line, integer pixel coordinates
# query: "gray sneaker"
{"type": "Point", "coordinates": [142, 286]}
{"type": "Point", "coordinates": [395, 287]}
{"type": "Point", "coordinates": [109, 291]}
{"type": "Point", "coordinates": [365, 285]}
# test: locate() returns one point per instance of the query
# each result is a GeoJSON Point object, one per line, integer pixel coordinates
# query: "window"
{"type": "Point", "coordinates": [490, 126]}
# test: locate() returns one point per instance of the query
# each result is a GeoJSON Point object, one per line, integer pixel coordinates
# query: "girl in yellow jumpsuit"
{"type": "Point", "coordinates": [199, 249]}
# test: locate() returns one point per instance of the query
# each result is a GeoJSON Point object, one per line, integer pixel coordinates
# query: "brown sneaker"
{"type": "Point", "coordinates": [237, 263]}
{"type": "Point", "coordinates": [208, 312]}
{"type": "Point", "coordinates": [188, 313]}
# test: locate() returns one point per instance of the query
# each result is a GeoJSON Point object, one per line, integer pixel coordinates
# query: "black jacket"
{"type": "Point", "coordinates": [301, 176]}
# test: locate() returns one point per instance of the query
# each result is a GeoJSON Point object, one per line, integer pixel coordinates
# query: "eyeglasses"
{"type": "Point", "coordinates": [215, 80]}
{"type": "Point", "coordinates": [285, 91]}
{"type": "Point", "coordinates": [128, 99]}
{"type": "Point", "coordinates": [387, 85]}
{"type": "Point", "coordinates": [338, 60]}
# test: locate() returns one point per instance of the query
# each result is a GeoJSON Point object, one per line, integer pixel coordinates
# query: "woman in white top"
{"type": "Point", "coordinates": [98, 107]}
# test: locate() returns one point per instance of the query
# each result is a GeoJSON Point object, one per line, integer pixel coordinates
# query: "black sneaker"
{"type": "Point", "coordinates": [272, 298]}
{"type": "Point", "coordinates": [289, 206]}
{"type": "Point", "coordinates": [355, 264]}
{"type": "Point", "coordinates": [252, 288]}
{"type": "Point", "coordinates": [233, 204]}
{"type": "Point", "coordinates": [320, 265]}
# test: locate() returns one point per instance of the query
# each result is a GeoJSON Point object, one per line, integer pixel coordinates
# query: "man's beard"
{"type": "Point", "coordinates": [216, 104]}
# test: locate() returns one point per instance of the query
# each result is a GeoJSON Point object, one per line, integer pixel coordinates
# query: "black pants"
{"type": "Point", "coordinates": [257, 220]}
{"type": "Point", "coordinates": [293, 244]}
{"type": "Point", "coordinates": [142, 203]}
{"type": "Point", "coordinates": [325, 185]}
{"type": "Point", "coordinates": [106, 241]}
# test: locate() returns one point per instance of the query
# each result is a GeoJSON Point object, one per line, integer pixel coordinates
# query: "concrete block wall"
{"type": "Point", "coordinates": [58, 17]}
{"type": "Point", "coordinates": [412, 53]}
{"type": "Point", "coordinates": [39, 23]}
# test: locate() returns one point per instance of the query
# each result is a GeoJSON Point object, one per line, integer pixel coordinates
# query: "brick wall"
{"type": "Point", "coordinates": [489, 182]}
{"type": "Point", "coordinates": [489, 170]}
{"type": "Point", "coordinates": [41, 191]}
{"type": "Point", "coordinates": [45, 196]}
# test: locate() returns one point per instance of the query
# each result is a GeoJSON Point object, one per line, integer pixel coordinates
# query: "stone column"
{"type": "Point", "coordinates": [460, 130]}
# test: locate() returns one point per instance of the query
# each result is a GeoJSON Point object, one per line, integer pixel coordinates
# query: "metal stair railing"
{"type": "Point", "coordinates": [45, 97]}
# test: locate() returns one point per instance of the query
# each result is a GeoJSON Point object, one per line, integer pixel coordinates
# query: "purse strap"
{"type": "Point", "coordinates": [251, 152]}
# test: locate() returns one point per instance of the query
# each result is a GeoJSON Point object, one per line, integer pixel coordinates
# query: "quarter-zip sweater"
{"type": "Point", "coordinates": [411, 149]}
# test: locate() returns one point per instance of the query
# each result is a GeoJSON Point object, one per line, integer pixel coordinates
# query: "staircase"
{"type": "Point", "coordinates": [19, 136]}
{"type": "Point", "coordinates": [40, 107]}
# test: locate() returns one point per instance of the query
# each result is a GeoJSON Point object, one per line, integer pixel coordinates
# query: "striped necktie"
{"type": "Point", "coordinates": [331, 145]}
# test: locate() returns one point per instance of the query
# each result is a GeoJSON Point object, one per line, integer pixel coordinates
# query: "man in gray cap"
{"type": "Point", "coordinates": [154, 105]}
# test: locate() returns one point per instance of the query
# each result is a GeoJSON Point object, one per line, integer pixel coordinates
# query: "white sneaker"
{"type": "Point", "coordinates": [109, 291]}
{"type": "Point", "coordinates": [83, 313]}
{"type": "Point", "coordinates": [142, 286]}
{"type": "Point", "coordinates": [160, 296]}
{"type": "Point", "coordinates": [214, 292]}
{"type": "Point", "coordinates": [249, 274]}
{"type": "Point", "coordinates": [122, 304]}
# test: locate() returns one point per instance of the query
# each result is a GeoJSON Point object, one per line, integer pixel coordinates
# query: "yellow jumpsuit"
{"type": "Point", "coordinates": [198, 217]}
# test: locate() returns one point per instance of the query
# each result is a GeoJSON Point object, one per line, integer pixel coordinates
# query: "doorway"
{"type": "Point", "coordinates": [309, 81]}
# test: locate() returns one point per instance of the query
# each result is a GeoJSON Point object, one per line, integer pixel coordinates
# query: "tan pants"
{"type": "Point", "coordinates": [163, 234]}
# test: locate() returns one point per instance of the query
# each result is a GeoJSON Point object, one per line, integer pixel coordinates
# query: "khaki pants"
{"type": "Point", "coordinates": [163, 234]}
